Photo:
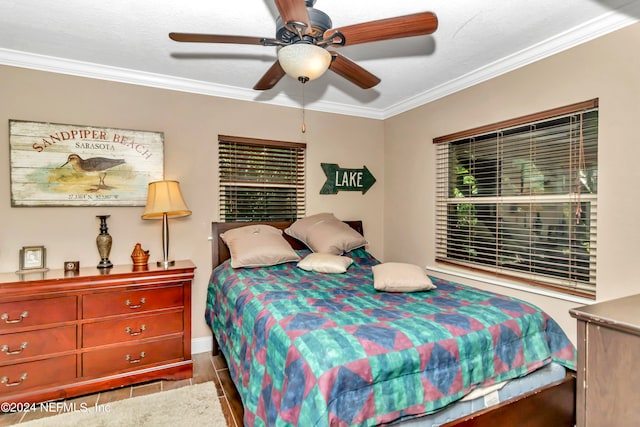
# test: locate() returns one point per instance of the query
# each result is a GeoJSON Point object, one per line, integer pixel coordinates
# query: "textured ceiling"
{"type": "Point", "coordinates": [127, 41]}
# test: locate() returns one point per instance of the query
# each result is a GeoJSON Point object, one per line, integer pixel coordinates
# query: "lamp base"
{"type": "Point", "coordinates": [165, 264]}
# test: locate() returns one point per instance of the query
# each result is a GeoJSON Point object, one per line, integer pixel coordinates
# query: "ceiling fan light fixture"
{"type": "Point", "coordinates": [304, 61]}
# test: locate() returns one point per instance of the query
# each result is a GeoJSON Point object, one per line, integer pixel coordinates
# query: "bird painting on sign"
{"type": "Point", "coordinates": [93, 166]}
{"type": "Point", "coordinates": [72, 165]}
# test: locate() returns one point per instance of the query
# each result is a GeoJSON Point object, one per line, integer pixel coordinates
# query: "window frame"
{"type": "Point", "coordinates": [444, 201]}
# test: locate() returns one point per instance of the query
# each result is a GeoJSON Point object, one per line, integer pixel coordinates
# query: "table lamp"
{"type": "Point", "coordinates": [164, 200]}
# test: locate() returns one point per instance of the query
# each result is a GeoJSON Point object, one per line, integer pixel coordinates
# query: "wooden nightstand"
{"type": "Point", "coordinates": [608, 363]}
{"type": "Point", "coordinates": [64, 334]}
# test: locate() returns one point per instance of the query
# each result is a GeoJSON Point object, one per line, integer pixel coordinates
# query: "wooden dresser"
{"type": "Point", "coordinates": [608, 363]}
{"type": "Point", "coordinates": [65, 334]}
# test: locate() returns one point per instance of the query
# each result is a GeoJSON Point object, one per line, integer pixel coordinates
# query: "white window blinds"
{"type": "Point", "coordinates": [519, 198]}
{"type": "Point", "coordinates": [261, 180]}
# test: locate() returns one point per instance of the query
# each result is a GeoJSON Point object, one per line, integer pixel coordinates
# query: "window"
{"type": "Point", "coordinates": [261, 180]}
{"type": "Point", "coordinates": [519, 198]}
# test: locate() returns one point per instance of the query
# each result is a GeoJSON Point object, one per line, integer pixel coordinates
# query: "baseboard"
{"type": "Point", "coordinates": [201, 345]}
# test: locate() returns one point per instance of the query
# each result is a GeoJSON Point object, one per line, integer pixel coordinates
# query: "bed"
{"type": "Point", "coordinates": [315, 349]}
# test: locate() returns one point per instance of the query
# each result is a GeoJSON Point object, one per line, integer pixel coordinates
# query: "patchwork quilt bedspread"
{"type": "Point", "coordinates": [313, 349]}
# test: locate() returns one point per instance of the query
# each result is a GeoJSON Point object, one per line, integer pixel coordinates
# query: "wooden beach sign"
{"type": "Point", "coordinates": [72, 165]}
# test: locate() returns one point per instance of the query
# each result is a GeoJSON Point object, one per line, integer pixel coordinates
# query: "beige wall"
{"type": "Point", "coordinates": [190, 124]}
{"type": "Point", "coordinates": [607, 68]}
{"type": "Point", "coordinates": [398, 151]}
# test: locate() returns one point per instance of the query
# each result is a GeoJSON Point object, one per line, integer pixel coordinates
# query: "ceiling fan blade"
{"type": "Point", "coordinates": [270, 78]}
{"type": "Point", "coordinates": [416, 24]}
{"type": "Point", "coordinates": [216, 38]}
{"type": "Point", "coordinates": [293, 11]}
{"type": "Point", "coordinates": [351, 71]}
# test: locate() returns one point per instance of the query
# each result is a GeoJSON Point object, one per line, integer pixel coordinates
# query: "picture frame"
{"type": "Point", "coordinates": [33, 258]}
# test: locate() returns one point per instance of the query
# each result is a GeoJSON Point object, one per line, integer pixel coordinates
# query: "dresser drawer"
{"type": "Point", "coordinates": [131, 329]}
{"type": "Point", "coordinates": [24, 376]}
{"type": "Point", "coordinates": [20, 345]}
{"type": "Point", "coordinates": [125, 357]}
{"type": "Point", "coordinates": [36, 312]}
{"type": "Point", "coordinates": [134, 301]}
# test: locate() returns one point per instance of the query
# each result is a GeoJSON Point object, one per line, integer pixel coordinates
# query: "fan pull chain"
{"type": "Point", "coordinates": [304, 125]}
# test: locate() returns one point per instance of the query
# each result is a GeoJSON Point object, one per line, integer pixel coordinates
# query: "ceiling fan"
{"type": "Point", "coordinates": [305, 34]}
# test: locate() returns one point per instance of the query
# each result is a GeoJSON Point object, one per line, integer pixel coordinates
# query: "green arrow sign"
{"type": "Point", "coordinates": [342, 179]}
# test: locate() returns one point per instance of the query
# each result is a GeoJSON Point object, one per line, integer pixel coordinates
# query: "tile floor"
{"type": "Point", "coordinates": [205, 368]}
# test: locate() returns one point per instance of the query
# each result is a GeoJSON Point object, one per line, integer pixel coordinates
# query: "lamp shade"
{"type": "Point", "coordinates": [165, 197]}
{"type": "Point", "coordinates": [303, 60]}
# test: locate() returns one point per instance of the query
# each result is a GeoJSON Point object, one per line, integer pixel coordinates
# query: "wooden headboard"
{"type": "Point", "coordinates": [220, 251]}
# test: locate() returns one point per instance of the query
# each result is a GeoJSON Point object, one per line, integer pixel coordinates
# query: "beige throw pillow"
{"type": "Point", "coordinates": [324, 233]}
{"type": "Point", "coordinates": [400, 277]}
{"type": "Point", "coordinates": [333, 237]}
{"type": "Point", "coordinates": [325, 263]}
{"type": "Point", "coordinates": [300, 228]}
{"type": "Point", "coordinates": [258, 246]}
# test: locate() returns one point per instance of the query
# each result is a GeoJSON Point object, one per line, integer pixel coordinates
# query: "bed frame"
{"type": "Point", "coordinates": [552, 405]}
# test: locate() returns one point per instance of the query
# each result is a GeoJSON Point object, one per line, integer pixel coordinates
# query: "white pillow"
{"type": "Point", "coordinates": [325, 263]}
{"type": "Point", "coordinates": [258, 246]}
{"type": "Point", "coordinates": [400, 277]}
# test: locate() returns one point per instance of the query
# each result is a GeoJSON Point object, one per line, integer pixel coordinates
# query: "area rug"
{"type": "Point", "coordinates": [193, 406]}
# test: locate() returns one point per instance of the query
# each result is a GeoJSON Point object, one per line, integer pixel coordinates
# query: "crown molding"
{"type": "Point", "coordinates": [583, 33]}
{"type": "Point", "coordinates": [122, 75]}
{"type": "Point", "coordinates": [588, 31]}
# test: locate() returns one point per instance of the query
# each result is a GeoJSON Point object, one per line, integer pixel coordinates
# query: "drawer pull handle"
{"type": "Point", "coordinates": [142, 301]}
{"type": "Point", "coordinates": [5, 349]}
{"type": "Point", "coordinates": [5, 317]}
{"type": "Point", "coordinates": [5, 381]}
{"type": "Point", "coordinates": [136, 333]}
{"type": "Point", "coordinates": [132, 361]}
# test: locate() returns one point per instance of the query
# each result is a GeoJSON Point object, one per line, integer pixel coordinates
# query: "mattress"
{"type": "Point", "coordinates": [546, 375]}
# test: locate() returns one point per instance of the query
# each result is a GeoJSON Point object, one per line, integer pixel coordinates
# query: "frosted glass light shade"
{"type": "Point", "coordinates": [165, 197]}
{"type": "Point", "coordinates": [302, 60]}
